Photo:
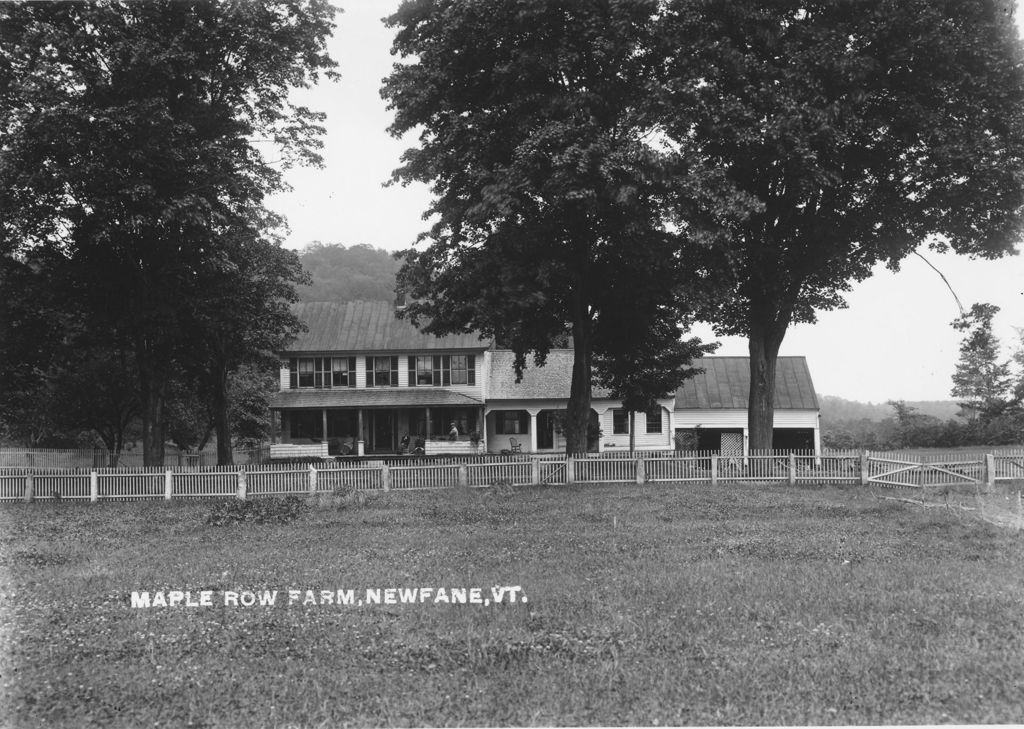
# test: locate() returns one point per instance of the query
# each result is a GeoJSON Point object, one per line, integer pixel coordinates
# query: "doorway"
{"type": "Point", "coordinates": [383, 430]}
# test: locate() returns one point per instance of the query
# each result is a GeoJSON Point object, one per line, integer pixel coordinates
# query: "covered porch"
{"type": "Point", "coordinates": [359, 422]}
{"type": "Point", "coordinates": [531, 427]}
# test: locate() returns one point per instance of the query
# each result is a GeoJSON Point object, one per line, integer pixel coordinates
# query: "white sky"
{"type": "Point", "coordinates": [893, 342]}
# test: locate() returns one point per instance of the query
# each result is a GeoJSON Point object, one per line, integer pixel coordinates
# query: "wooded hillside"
{"type": "Point", "coordinates": [351, 273]}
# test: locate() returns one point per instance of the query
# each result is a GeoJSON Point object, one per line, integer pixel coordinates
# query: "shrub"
{"type": "Point", "coordinates": [257, 511]}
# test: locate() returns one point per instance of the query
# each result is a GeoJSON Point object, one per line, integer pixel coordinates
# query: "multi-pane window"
{"type": "Point", "coordinates": [421, 370]}
{"type": "Point", "coordinates": [382, 371]}
{"type": "Point", "coordinates": [460, 369]}
{"type": "Point", "coordinates": [512, 422]}
{"type": "Point", "coordinates": [322, 372]}
{"type": "Point", "coordinates": [442, 369]}
{"type": "Point", "coordinates": [305, 373]}
{"type": "Point", "coordinates": [343, 372]}
{"type": "Point", "coordinates": [654, 421]}
{"type": "Point", "coordinates": [620, 421]}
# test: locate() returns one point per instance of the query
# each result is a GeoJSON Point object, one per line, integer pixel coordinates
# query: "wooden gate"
{"type": "Point", "coordinates": [914, 471]}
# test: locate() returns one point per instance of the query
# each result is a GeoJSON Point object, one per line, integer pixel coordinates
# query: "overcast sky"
{"type": "Point", "coordinates": [893, 342]}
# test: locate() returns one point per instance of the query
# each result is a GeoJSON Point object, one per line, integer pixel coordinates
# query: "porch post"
{"type": "Point", "coordinates": [426, 436]}
{"type": "Point", "coordinates": [360, 446]}
{"type": "Point", "coordinates": [533, 430]}
{"type": "Point", "coordinates": [323, 424]}
{"type": "Point", "coordinates": [273, 425]}
{"type": "Point", "coordinates": [482, 428]}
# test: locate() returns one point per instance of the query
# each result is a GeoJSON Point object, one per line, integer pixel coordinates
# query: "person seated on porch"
{"type": "Point", "coordinates": [453, 434]}
{"type": "Point", "coordinates": [420, 446]}
{"type": "Point", "coordinates": [403, 445]}
{"type": "Point", "coordinates": [347, 445]}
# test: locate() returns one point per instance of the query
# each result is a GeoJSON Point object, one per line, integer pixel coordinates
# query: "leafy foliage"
{"type": "Point", "coordinates": [130, 150]}
{"type": "Point", "coordinates": [981, 377]}
{"type": "Point", "coordinates": [819, 139]}
{"type": "Point", "coordinates": [550, 201]}
{"type": "Point", "coordinates": [352, 273]}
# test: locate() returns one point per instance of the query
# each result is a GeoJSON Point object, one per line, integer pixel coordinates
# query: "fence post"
{"type": "Point", "coordinates": [312, 479]}
{"type": "Point", "coordinates": [570, 470]}
{"type": "Point", "coordinates": [30, 486]}
{"type": "Point", "coordinates": [242, 484]}
{"type": "Point", "coordinates": [385, 477]}
{"type": "Point", "coordinates": [990, 470]}
{"type": "Point", "coordinates": [535, 471]}
{"type": "Point", "coordinates": [714, 470]}
{"type": "Point", "coordinates": [641, 472]}
{"type": "Point", "coordinates": [792, 468]}
{"type": "Point", "coordinates": [168, 484]}
{"type": "Point", "coordinates": [463, 476]}
{"type": "Point", "coordinates": [863, 468]}
{"type": "Point", "coordinates": [94, 486]}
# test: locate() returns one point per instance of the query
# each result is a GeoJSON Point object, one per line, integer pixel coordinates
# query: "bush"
{"type": "Point", "coordinates": [258, 511]}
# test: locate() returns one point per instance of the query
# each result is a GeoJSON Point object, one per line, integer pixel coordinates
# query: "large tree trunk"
{"type": "Point", "coordinates": [764, 344]}
{"type": "Point", "coordinates": [221, 421]}
{"type": "Point", "coordinates": [577, 416]}
{"type": "Point", "coordinates": [152, 426]}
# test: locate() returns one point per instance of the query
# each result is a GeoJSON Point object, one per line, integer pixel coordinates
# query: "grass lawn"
{"type": "Point", "coordinates": [668, 604]}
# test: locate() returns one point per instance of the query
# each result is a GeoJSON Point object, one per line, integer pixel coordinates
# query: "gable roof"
{"type": "Point", "coordinates": [368, 326]}
{"type": "Point", "coordinates": [725, 383]}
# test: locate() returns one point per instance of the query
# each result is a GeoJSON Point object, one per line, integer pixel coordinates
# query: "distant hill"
{"type": "Point", "coordinates": [351, 273]}
{"type": "Point", "coordinates": [835, 409]}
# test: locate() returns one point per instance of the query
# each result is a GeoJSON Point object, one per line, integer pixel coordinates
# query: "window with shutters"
{"type": "Point", "coordinates": [382, 371]}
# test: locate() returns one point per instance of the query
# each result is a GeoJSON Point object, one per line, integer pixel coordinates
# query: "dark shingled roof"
{"type": "Point", "coordinates": [550, 382]}
{"type": "Point", "coordinates": [368, 326]}
{"type": "Point", "coordinates": [384, 397]}
{"type": "Point", "coordinates": [726, 384]}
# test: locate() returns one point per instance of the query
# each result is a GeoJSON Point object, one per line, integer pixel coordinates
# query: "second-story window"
{"type": "Point", "coordinates": [322, 372]}
{"type": "Point", "coordinates": [460, 369]}
{"type": "Point", "coordinates": [382, 371]}
{"type": "Point", "coordinates": [442, 370]}
{"type": "Point", "coordinates": [421, 371]}
{"type": "Point", "coordinates": [343, 372]}
{"type": "Point", "coordinates": [305, 373]}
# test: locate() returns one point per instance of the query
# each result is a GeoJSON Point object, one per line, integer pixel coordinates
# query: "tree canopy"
{"type": "Point", "coordinates": [133, 138]}
{"type": "Point", "coordinates": [819, 139]}
{"type": "Point", "coordinates": [549, 199]}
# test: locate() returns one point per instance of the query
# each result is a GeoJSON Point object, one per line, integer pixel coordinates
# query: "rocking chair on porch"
{"type": "Point", "coordinates": [515, 446]}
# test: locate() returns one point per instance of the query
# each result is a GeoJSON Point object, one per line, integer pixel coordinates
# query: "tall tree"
{"type": "Point", "coordinates": [818, 139]}
{"type": "Point", "coordinates": [533, 137]}
{"type": "Point", "coordinates": [982, 377]}
{"type": "Point", "coordinates": [130, 144]}
{"type": "Point", "coordinates": [244, 319]}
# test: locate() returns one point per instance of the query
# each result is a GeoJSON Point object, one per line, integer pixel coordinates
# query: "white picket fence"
{"type": "Point", "coordinates": [891, 470]}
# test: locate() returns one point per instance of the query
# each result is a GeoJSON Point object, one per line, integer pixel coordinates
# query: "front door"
{"type": "Point", "coordinates": [383, 431]}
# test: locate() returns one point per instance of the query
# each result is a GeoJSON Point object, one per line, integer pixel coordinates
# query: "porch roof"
{"type": "Point", "coordinates": [370, 398]}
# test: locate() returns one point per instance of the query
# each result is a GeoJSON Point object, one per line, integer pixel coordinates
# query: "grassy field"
{"type": "Point", "coordinates": [653, 605]}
